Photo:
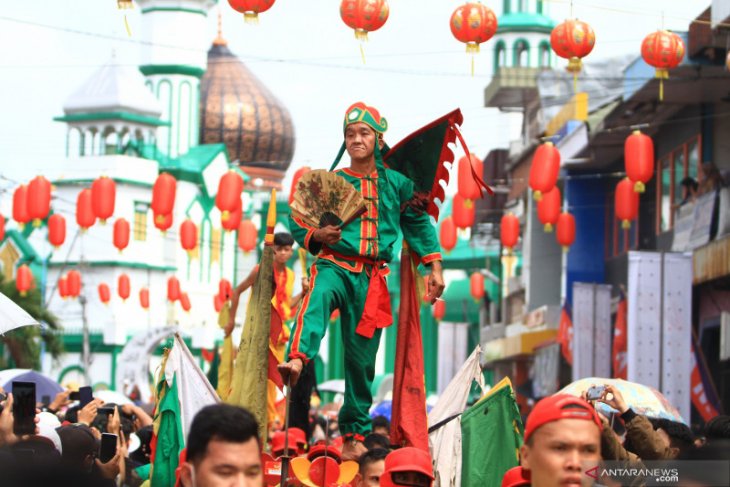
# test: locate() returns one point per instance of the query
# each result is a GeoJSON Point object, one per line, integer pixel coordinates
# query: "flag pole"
{"type": "Point", "coordinates": [285, 458]}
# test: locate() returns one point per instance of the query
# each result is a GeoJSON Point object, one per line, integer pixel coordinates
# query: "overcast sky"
{"type": "Point", "coordinates": [415, 71]}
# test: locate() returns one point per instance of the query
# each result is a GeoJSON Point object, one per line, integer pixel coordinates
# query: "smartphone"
{"type": "Point", "coordinates": [105, 411]}
{"type": "Point", "coordinates": [23, 408]}
{"type": "Point", "coordinates": [595, 392]}
{"type": "Point", "coordinates": [74, 396]}
{"type": "Point", "coordinates": [85, 395]}
{"type": "Point", "coordinates": [108, 447]}
{"type": "Point", "coordinates": [46, 399]}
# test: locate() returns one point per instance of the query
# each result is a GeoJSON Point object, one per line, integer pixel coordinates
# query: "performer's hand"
{"type": "Point", "coordinates": [328, 235]}
{"type": "Point", "coordinates": [291, 369]}
{"type": "Point", "coordinates": [435, 282]}
{"type": "Point", "coordinates": [229, 327]}
{"type": "Point", "coordinates": [305, 284]}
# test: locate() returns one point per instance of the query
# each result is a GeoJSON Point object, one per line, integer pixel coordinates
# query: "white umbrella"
{"type": "Point", "coordinates": [13, 316]}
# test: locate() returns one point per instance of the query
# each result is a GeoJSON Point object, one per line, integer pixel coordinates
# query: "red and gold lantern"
{"type": "Point", "coordinates": [626, 203]}
{"type": "Point", "coordinates": [228, 198]}
{"type": "Point", "coordinates": [573, 40]}
{"type": "Point", "coordinates": [247, 236]}
{"type": "Point", "coordinates": [364, 16]}
{"type": "Point", "coordinates": [188, 235]}
{"type": "Point", "coordinates": [468, 187]}
{"type": "Point", "coordinates": [103, 196]}
{"type": "Point", "coordinates": [173, 289]}
{"type": "Point", "coordinates": [639, 159]}
{"type": "Point", "coordinates": [447, 234]}
{"type": "Point", "coordinates": [163, 222]}
{"type": "Point", "coordinates": [56, 230]}
{"type": "Point", "coordinates": [121, 234]}
{"type": "Point", "coordinates": [73, 281]}
{"type": "Point", "coordinates": [63, 287]}
{"type": "Point", "coordinates": [251, 8]}
{"type": "Point", "coordinates": [185, 302]}
{"type": "Point", "coordinates": [544, 170]}
{"type": "Point", "coordinates": [85, 217]}
{"type": "Point", "coordinates": [20, 205]}
{"type": "Point", "coordinates": [234, 219]}
{"type": "Point", "coordinates": [565, 234]}
{"type": "Point", "coordinates": [123, 286]}
{"type": "Point", "coordinates": [23, 279]}
{"type": "Point", "coordinates": [476, 286]}
{"type": "Point", "coordinates": [663, 50]}
{"type": "Point", "coordinates": [295, 180]}
{"type": "Point", "coordinates": [509, 231]}
{"type": "Point", "coordinates": [472, 24]}
{"type": "Point", "coordinates": [39, 199]}
{"type": "Point", "coordinates": [548, 208]}
{"type": "Point", "coordinates": [163, 197]}
{"type": "Point", "coordinates": [144, 298]}
{"type": "Point", "coordinates": [104, 293]}
{"type": "Point", "coordinates": [462, 213]}
{"type": "Point", "coordinates": [439, 309]}
{"type": "Point", "coordinates": [225, 289]}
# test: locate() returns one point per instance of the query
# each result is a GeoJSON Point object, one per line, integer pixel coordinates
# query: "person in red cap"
{"type": "Point", "coordinates": [516, 477]}
{"type": "Point", "coordinates": [562, 441]}
{"type": "Point", "coordinates": [407, 466]}
{"type": "Point", "coordinates": [277, 445]}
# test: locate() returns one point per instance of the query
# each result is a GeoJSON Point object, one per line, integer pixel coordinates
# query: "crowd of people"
{"type": "Point", "coordinates": [564, 436]}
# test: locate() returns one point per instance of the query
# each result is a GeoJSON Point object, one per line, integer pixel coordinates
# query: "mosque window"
{"type": "Point", "coordinates": [215, 245]}
{"type": "Point", "coordinates": [544, 55]}
{"type": "Point", "coordinates": [521, 53]}
{"type": "Point", "coordinates": [500, 55]}
{"type": "Point", "coordinates": [539, 6]}
{"type": "Point", "coordinates": [506, 6]}
{"type": "Point", "coordinates": [140, 220]}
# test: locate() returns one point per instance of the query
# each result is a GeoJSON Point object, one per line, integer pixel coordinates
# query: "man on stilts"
{"type": "Point", "coordinates": [350, 271]}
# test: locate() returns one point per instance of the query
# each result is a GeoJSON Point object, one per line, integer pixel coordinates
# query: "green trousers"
{"type": "Point", "coordinates": [332, 287]}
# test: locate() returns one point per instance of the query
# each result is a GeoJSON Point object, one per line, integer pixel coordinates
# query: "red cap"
{"type": "Point", "coordinates": [277, 443]}
{"type": "Point", "coordinates": [298, 435]}
{"type": "Point", "coordinates": [557, 407]}
{"type": "Point", "coordinates": [318, 451]}
{"type": "Point", "coordinates": [408, 459]}
{"type": "Point", "coordinates": [516, 477]}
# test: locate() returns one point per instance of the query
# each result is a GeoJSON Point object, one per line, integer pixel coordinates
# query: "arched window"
{"type": "Point", "coordinates": [539, 6]}
{"type": "Point", "coordinates": [506, 6]}
{"type": "Point", "coordinates": [543, 58]}
{"type": "Point", "coordinates": [521, 54]}
{"type": "Point", "coordinates": [500, 56]}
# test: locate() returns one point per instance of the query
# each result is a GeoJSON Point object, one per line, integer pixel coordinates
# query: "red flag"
{"type": "Point", "coordinates": [700, 398]}
{"type": "Point", "coordinates": [565, 335]}
{"type": "Point", "coordinates": [409, 423]}
{"type": "Point", "coordinates": [620, 340]}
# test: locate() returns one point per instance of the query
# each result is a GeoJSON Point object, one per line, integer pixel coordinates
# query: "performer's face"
{"type": "Point", "coordinates": [360, 141]}
{"type": "Point", "coordinates": [282, 253]}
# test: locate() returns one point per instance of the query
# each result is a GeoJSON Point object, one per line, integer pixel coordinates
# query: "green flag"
{"type": "Point", "coordinates": [169, 437]}
{"type": "Point", "coordinates": [491, 433]}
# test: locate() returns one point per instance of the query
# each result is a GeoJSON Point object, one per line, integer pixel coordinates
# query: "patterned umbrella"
{"type": "Point", "coordinates": [644, 400]}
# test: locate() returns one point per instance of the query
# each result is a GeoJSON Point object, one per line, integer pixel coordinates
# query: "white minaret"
{"type": "Point", "coordinates": [175, 37]}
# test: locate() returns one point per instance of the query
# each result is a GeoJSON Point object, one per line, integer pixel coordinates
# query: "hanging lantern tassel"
{"type": "Point", "coordinates": [126, 5]}
{"type": "Point", "coordinates": [473, 49]}
{"type": "Point", "coordinates": [251, 17]}
{"type": "Point", "coordinates": [662, 74]}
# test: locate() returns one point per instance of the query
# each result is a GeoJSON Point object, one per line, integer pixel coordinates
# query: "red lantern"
{"type": "Point", "coordinates": [548, 208]}
{"type": "Point", "coordinates": [462, 213]}
{"type": "Point", "coordinates": [364, 16]}
{"type": "Point", "coordinates": [234, 219]}
{"type": "Point", "coordinates": [476, 286]}
{"type": "Point", "coordinates": [251, 8]}
{"type": "Point", "coordinates": [63, 287]}
{"type": "Point", "coordinates": [85, 217]}
{"type": "Point", "coordinates": [188, 235]}
{"type": "Point", "coordinates": [38, 199]}
{"type": "Point", "coordinates": [20, 205]}
{"type": "Point", "coordinates": [663, 50]}
{"type": "Point", "coordinates": [544, 170]}
{"type": "Point", "coordinates": [468, 187]}
{"type": "Point", "coordinates": [295, 180]}
{"type": "Point", "coordinates": [103, 194]}
{"type": "Point", "coordinates": [626, 203]}
{"type": "Point", "coordinates": [144, 298]}
{"type": "Point", "coordinates": [104, 293]}
{"type": "Point", "coordinates": [565, 233]}
{"type": "Point", "coordinates": [573, 40]}
{"type": "Point", "coordinates": [439, 309]}
{"type": "Point", "coordinates": [121, 234]}
{"type": "Point", "coordinates": [225, 289]}
{"type": "Point", "coordinates": [509, 231]}
{"type": "Point", "coordinates": [163, 222]}
{"type": "Point", "coordinates": [173, 289]}
{"type": "Point", "coordinates": [247, 236]}
{"type": "Point", "coordinates": [639, 159]}
{"type": "Point", "coordinates": [217, 303]}
{"type": "Point", "coordinates": [56, 230]}
{"type": "Point", "coordinates": [2, 227]}
{"type": "Point", "coordinates": [228, 198]}
{"type": "Point", "coordinates": [447, 234]}
{"type": "Point", "coordinates": [23, 279]}
{"type": "Point", "coordinates": [163, 197]}
{"type": "Point", "coordinates": [185, 302]}
{"type": "Point", "coordinates": [123, 286]}
{"type": "Point", "coordinates": [73, 281]}
{"type": "Point", "coordinates": [473, 23]}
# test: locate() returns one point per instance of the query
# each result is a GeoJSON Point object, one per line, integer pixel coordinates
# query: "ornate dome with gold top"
{"type": "Point", "coordinates": [238, 110]}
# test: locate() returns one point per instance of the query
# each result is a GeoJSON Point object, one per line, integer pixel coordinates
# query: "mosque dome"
{"type": "Point", "coordinates": [236, 109]}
